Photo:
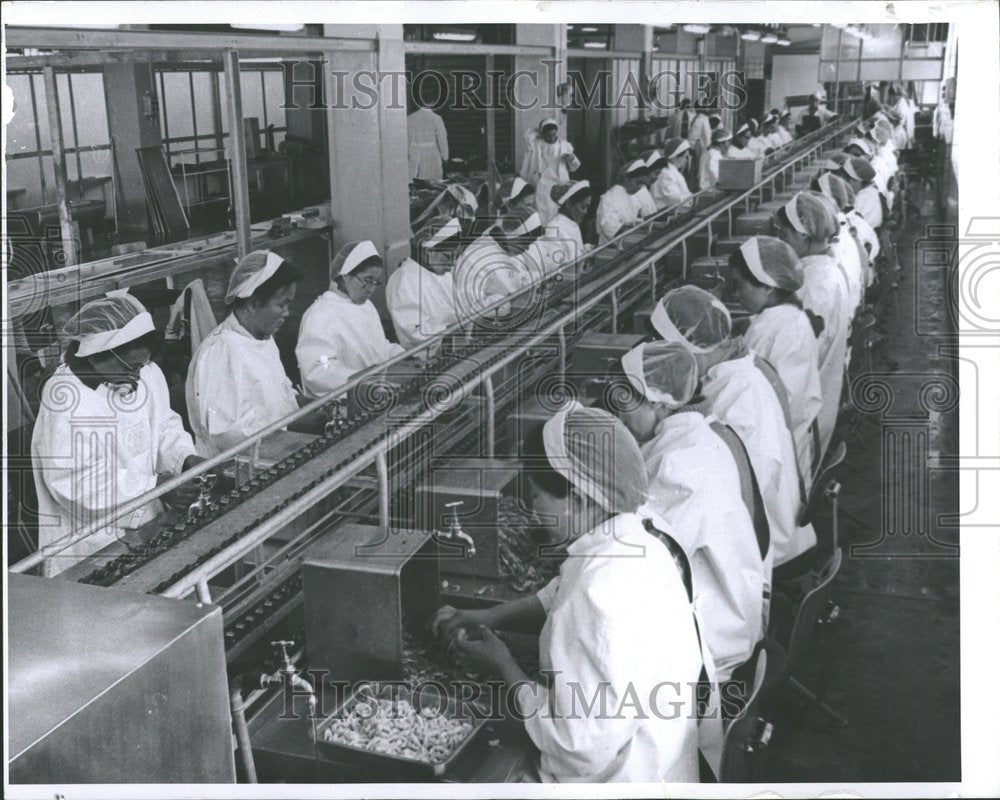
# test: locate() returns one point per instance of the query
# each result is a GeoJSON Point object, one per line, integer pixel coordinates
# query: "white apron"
{"type": "Point", "coordinates": [421, 303]}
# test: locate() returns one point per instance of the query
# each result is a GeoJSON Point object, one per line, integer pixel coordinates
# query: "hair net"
{"type": "Point", "coordinates": [721, 135]}
{"type": "Point", "coordinates": [439, 232]}
{"type": "Point", "coordinates": [515, 188]}
{"type": "Point", "coordinates": [862, 144]}
{"type": "Point", "coordinates": [548, 122]}
{"type": "Point", "coordinates": [520, 222]}
{"type": "Point", "coordinates": [251, 271]}
{"type": "Point", "coordinates": [108, 322]}
{"type": "Point", "coordinates": [351, 256]}
{"type": "Point", "coordinates": [676, 147]}
{"type": "Point", "coordinates": [634, 169]}
{"type": "Point", "coordinates": [595, 452]}
{"type": "Point", "coordinates": [832, 209]}
{"type": "Point", "coordinates": [464, 199]}
{"type": "Point", "coordinates": [662, 372]}
{"type": "Point", "coordinates": [880, 134]}
{"type": "Point", "coordinates": [808, 214]}
{"type": "Point", "coordinates": [836, 188]}
{"type": "Point", "coordinates": [859, 169]}
{"type": "Point", "coordinates": [569, 193]}
{"type": "Point", "coordinates": [744, 128]}
{"type": "Point", "coordinates": [655, 160]}
{"type": "Point", "coordinates": [692, 317]}
{"type": "Point", "coordinates": [772, 262]}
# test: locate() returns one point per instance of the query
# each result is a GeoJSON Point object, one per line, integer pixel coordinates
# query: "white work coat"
{"type": "Point", "coordinates": [757, 146]}
{"type": "Point", "coordinates": [644, 203]}
{"type": "Point", "coordinates": [236, 385]}
{"type": "Point", "coordinates": [784, 336]}
{"type": "Point", "coordinates": [824, 292]}
{"type": "Point", "coordinates": [615, 211]}
{"type": "Point", "coordinates": [869, 238]}
{"type": "Point", "coordinates": [845, 251]}
{"type": "Point", "coordinates": [561, 244]}
{"type": "Point", "coordinates": [670, 187]}
{"type": "Point", "coordinates": [484, 275]}
{"type": "Point", "coordinates": [739, 152]}
{"type": "Point", "coordinates": [421, 303]}
{"type": "Point", "coordinates": [741, 396]}
{"type": "Point", "coordinates": [700, 134]}
{"type": "Point", "coordinates": [428, 144]}
{"type": "Point", "coordinates": [619, 624]}
{"type": "Point", "coordinates": [869, 205]}
{"type": "Point", "coordinates": [94, 449]}
{"type": "Point", "coordinates": [338, 338]}
{"type": "Point", "coordinates": [784, 135]}
{"type": "Point", "coordinates": [543, 167]}
{"type": "Point", "coordinates": [694, 484]}
{"type": "Point", "coordinates": [708, 168]}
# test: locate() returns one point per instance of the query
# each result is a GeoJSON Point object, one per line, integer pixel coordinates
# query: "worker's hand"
{"type": "Point", "coordinates": [484, 649]}
{"type": "Point", "coordinates": [566, 158]}
{"type": "Point", "coordinates": [447, 621]}
{"type": "Point", "coordinates": [182, 496]}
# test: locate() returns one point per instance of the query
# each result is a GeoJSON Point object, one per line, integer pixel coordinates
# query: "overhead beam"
{"type": "Point", "coordinates": [98, 58]}
{"type": "Point", "coordinates": [75, 39]}
{"type": "Point", "coordinates": [471, 48]}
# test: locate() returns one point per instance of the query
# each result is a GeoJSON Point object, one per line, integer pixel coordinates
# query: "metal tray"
{"type": "Point", "coordinates": [369, 758]}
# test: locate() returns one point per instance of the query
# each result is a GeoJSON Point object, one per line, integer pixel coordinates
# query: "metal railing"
{"type": "Point", "coordinates": [805, 150]}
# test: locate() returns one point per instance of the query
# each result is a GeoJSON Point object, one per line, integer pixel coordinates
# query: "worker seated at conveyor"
{"type": "Point", "coordinates": [755, 144]}
{"type": "Point", "coordinates": [708, 167]}
{"type": "Point", "coordinates": [860, 174]}
{"type": "Point", "coordinates": [563, 234]}
{"type": "Point", "coordinates": [848, 248]}
{"type": "Point", "coordinates": [492, 268]}
{"type": "Point", "coordinates": [236, 383]}
{"type": "Point", "coordinates": [618, 208]}
{"type": "Point", "coordinates": [105, 432]}
{"type": "Point", "coordinates": [420, 292]}
{"type": "Point", "coordinates": [341, 333]}
{"type": "Point", "coordinates": [766, 274]}
{"type": "Point", "coordinates": [515, 193]}
{"type": "Point", "coordinates": [807, 225]}
{"type": "Point", "coordinates": [587, 481]}
{"type": "Point", "coordinates": [670, 187]}
{"type": "Point", "coordinates": [769, 132]}
{"type": "Point", "coordinates": [865, 148]}
{"type": "Point", "coordinates": [694, 485]}
{"type": "Point", "coordinates": [741, 395]}
{"type": "Point", "coordinates": [782, 132]}
{"type": "Point", "coordinates": [738, 148]}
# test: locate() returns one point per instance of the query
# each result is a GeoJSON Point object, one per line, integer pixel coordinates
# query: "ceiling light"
{"type": "Point", "coordinates": [454, 36]}
{"type": "Point", "coordinates": [750, 36]}
{"type": "Point", "coordinates": [589, 29]}
{"type": "Point", "coordinates": [783, 42]}
{"type": "Point", "coordinates": [697, 28]}
{"type": "Point", "coordinates": [592, 45]}
{"type": "Point", "coordinates": [266, 26]}
{"type": "Point", "coordinates": [769, 38]}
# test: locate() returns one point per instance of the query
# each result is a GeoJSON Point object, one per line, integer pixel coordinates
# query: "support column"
{"type": "Point", "coordinates": [70, 247]}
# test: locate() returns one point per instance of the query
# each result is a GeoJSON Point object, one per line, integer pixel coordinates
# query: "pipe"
{"type": "Point", "coordinates": [245, 748]}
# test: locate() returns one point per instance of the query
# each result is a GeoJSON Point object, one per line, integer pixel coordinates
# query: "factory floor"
{"type": "Point", "coordinates": [890, 661]}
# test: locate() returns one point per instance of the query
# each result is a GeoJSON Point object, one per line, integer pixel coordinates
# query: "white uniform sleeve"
{"type": "Point", "coordinates": [441, 134]}
{"type": "Point", "coordinates": [574, 164]}
{"type": "Point", "coordinates": [173, 443]}
{"type": "Point", "coordinates": [707, 171]}
{"type": "Point", "coordinates": [402, 296]}
{"type": "Point", "coordinates": [610, 219]}
{"type": "Point", "coordinates": [218, 400]}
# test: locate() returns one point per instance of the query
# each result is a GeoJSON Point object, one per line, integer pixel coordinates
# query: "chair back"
{"type": "Point", "coordinates": [809, 610]}
{"type": "Point", "coordinates": [736, 752]}
{"type": "Point", "coordinates": [821, 482]}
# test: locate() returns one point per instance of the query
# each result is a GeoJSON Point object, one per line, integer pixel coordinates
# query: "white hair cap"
{"type": "Point", "coordinates": [662, 372]}
{"type": "Point", "coordinates": [692, 317]}
{"type": "Point", "coordinates": [251, 271]}
{"type": "Point", "coordinates": [351, 256]}
{"type": "Point", "coordinates": [108, 322]}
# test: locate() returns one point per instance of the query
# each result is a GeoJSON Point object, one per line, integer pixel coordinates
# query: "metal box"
{"type": "Point", "coordinates": [754, 223]}
{"type": "Point", "coordinates": [479, 484]}
{"type": "Point", "coordinates": [109, 686]}
{"type": "Point", "coordinates": [592, 356]}
{"type": "Point", "coordinates": [363, 586]}
{"type": "Point", "coordinates": [739, 173]}
{"type": "Point", "coordinates": [528, 415]}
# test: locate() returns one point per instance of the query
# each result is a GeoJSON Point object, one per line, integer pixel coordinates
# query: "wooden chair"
{"type": "Point", "coordinates": [746, 736]}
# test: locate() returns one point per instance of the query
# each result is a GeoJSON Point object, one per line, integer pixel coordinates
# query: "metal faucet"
{"type": "Point", "coordinates": [288, 672]}
{"type": "Point", "coordinates": [206, 482]}
{"type": "Point", "coordinates": [338, 418]}
{"type": "Point", "coordinates": [455, 528]}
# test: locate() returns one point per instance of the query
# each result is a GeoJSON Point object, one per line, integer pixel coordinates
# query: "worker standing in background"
{"type": "Point", "coordinates": [680, 122]}
{"type": "Point", "coordinates": [587, 480]}
{"type": "Point", "coordinates": [616, 209]}
{"type": "Point", "coordinates": [105, 432]}
{"type": "Point", "coordinates": [236, 384]}
{"type": "Point", "coordinates": [807, 225]}
{"type": "Point", "coordinates": [428, 144]}
{"type": "Point", "coordinates": [694, 485]}
{"type": "Point", "coordinates": [766, 274]}
{"type": "Point", "coordinates": [708, 167]}
{"type": "Point", "coordinates": [670, 187]}
{"type": "Point", "coordinates": [742, 396]}
{"type": "Point", "coordinates": [341, 333]}
{"type": "Point", "coordinates": [548, 160]}
{"type": "Point", "coordinates": [420, 291]}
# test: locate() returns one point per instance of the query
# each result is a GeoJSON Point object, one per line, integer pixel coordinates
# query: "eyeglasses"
{"type": "Point", "coordinates": [369, 283]}
{"type": "Point", "coordinates": [132, 369]}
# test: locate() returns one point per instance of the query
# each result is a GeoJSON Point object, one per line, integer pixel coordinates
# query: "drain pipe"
{"type": "Point", "coordinates": [236, 707]}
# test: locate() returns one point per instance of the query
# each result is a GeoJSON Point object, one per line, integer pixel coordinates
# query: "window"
{"type": "Point", "coordinates": [925, 33]}
{"type": "Point", "coordinates": [86, 140]}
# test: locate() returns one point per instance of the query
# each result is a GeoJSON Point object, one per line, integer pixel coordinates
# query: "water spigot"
{"type": "Point", "coordinates": [455, 528]}
{"type": "Point", "coordinates": [288, 672]}
{"type": "Point", "coordinates": [206, 482]}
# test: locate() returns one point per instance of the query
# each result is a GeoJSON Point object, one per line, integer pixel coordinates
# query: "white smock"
{"type": "Point", "coordinates": [784, 336]}
{"type": "Point", "coordinates": [708, 168]}
{"type": "Point", "coordinates": [784, 135]}
{"type": "Point", "coordinates": [869, 205]}
{"type": "Point", "coordinates": [757, 146]}
{"type": "Point", "coordinates": [601, 633]}
{"type": "Point", "coordinates": [700, 134]}
{"type": "Point", "coordinates": [564, 241]}
{"type": "Point", "coordinates": [95, 449]}
{"type": "Point", "coordinates": [338, 338]}
{"type": "Point", "coordinates": [670, 188]}
{"type": "Point", "coordinates": [421, 303]}
{"type": "Point", "coordinates": [543, 167]}
{"type": "Point", "coordinates": [824, 292]}
{"type": "Point", "coordinates": [644, 203]}
{"type": "Point", "coordinates": [484, 275]}
{"type": "Point", "coordinates": [694, 484]}
{"type": "Point", "coordinates": [845, 251]}
{"type": "Point", "coordinates": [869, 238]}
{"type": "Point", "coordinates": [236, 385]}
{"type": "Point", "coordinates": [615, 211]}
{"type": "Point", "coordinates": [428, 144]}
{"type": "Point", "coordinates": [741, 396]}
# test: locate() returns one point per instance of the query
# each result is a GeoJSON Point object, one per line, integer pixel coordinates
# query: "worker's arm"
{"type": "Point", "coordinates": [441, 134]}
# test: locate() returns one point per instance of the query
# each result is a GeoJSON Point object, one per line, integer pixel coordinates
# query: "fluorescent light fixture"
{"type": "Point", "coordinates": [454, 36]}
{"type": "Point", "coordinates": [592, 45]}
{"type": "Point", "coordinates": [589, 29]}
{"type": "Point", "coordinates": [783, 42]}
{"type": "Point", "coordinates": [266, 26]}
{"type": "Point", "coordinates": [750, 36]}
{"type": "Point", "coordinates": [840, 25]}
{"type": "Point", "coordinates": [697, 28]}
{"type": "Point", "coordinates": [769, 38]}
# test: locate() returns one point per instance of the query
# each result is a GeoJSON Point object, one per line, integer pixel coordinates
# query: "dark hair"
{"type": "Point", "coordinates": [371, 261]}
{"type": "Point", "coordinates": [152, 341]}
{"type": "Point", "coordinates": [284, 275]}
{"type": "Point", "coordinates": [738, 266]}
{"type": "Point", "coordinates": [538, 468]}
{"type": "Point", "coordinates": [619, 394]}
